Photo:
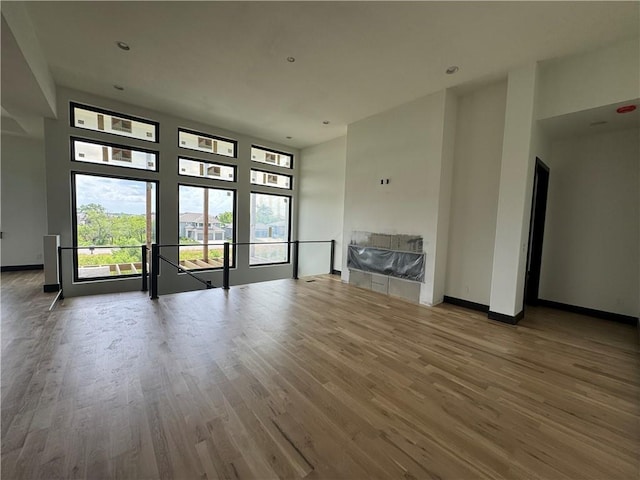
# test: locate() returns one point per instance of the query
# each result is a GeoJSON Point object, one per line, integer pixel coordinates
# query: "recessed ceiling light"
{"type": "Point", "coordinates": [452, 69]}
{"type": "Point", "coordinates": [326, 122]}
{"type": "Point", "coordinates": [291, 59]}
{"type": "Point", "coordinates": [118, 87]}
{"type": "Point", "coordinates": [123, 46]}
{"type": "Point", "coordinates": [599, 122]}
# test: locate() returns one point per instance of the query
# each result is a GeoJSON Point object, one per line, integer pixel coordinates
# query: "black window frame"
{"type": "Point", "coordinates": [74, 224]}
{"type": "Point", "coordinates": [290, 187]}
{"type": "Point", "coordinates": [212, 137]}
{"type": "Point", "coordinates": [271, 150]}
{"type": "Point", "coordinates": [288, 245]}
{"type": "Point", "coordinates": [104, 111]}
{"type": "Point", "coordinates": [210, 162]}
{"type": "Point", "coordinates": [232, 260]}
{"type": "Point", "coordinates": [73, 139]}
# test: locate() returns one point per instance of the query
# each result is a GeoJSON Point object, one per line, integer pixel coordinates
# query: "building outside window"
{"type": "Point", "coordinates": [205, 222]}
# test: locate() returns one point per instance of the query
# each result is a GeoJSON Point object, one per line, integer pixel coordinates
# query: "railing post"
{"type": "Point", "coordinates": [60, 272]}
{"type": "Point", "coordinates": [145, 273]}
{"type": "Point", "coordinates": [155, 267]}
{"type": "Point", "coordinates": [332, 255]}
{"type": "Point", "coordinates": [225, 267]}
{"type": "Point", "coordinates": [296, 249]}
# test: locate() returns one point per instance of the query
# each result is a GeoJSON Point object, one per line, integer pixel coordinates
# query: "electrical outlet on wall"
{"type": "Point", "coordinates": [39, 256]}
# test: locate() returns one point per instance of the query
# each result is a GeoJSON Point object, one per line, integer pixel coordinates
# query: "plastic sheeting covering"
{"type": "Point", "coordinates": [409, 266]}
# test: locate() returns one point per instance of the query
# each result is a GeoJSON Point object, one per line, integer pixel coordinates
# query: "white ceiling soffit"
{"type": "Point", "coordinates": [225, 63]}
{"type": "Point", "coordinates": [27, 88]}
{"type": "Point", "coordinates": [26, 83]}
{"type": "Point", "coordinates": [9, 126]}
{"type": "Point", "coordinates": [592, 121]}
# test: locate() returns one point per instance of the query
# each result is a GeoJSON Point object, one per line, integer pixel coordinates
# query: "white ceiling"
{"type": "Point", "coordinates": [593, 121]}
{"type": "Point", "coordinates": [224, 63]}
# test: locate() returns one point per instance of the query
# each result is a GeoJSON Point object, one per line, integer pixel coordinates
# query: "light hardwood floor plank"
{"type": "Point", "coordinates": [314, 380]}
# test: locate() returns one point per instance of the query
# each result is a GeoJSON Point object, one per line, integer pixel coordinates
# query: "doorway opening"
{"type": "Point", "coordinates": [536, 232]}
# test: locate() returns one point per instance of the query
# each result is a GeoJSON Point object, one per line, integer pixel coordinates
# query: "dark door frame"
{"type": "Point", "coordinates": [536, 232]}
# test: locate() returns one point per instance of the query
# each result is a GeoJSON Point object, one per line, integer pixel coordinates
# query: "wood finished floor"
{"type": "Point", "coordinates": [309, 380]}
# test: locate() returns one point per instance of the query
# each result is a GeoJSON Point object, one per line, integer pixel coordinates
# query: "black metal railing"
{"type": "Point", "coordinates": [150, 268]}
{"type": "Point", "coordinates": [156, 268]}
{"type": "Point", "coordinates": [294, 247]}
{"type": "Point", "coordinates": [144, 266]}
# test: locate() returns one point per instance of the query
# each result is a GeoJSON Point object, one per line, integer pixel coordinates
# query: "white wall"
{"type": "Point", "coordinates": [592, 240]}
{"type": "Point", "coordinates": [474, 202]}
{"type": "Point", "coordinates": [24, 207]}
{"type": "Point", "coordinates": [405, 145]}
{"type": "Point", "coordinates": [599, 77]}
{"type": "Point", "coordinates": [321, 204]}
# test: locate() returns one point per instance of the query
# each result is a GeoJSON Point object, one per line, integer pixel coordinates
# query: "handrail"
{"type": "Point", "coordinates": [180, 269]}
{"type": "Point", "coordinates": [294, 245]}
{"type": "Point", "coordinates": [144, 274]}
{"type": "Point", "coordinates": [150, 275]}
{"type": "Point", "coordinates": [161, 245]}
{"type": "Point", "coordinates": [82, 247]}
{"type": "Point", "coordinates": [155, 270]}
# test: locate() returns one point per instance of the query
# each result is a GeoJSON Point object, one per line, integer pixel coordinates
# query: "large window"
{"type": "Point", "coordinates": [271, 157]}
{"type": "Point", "coordinates": [110, 154]}
{"type": "Point", "coordinates": [206, 143]}
{"type": "Point", "coordinates": [113, 218]}
{"type": "Point", "coordinates": [206, 221]}
{"type": "Point", "coordinates": [91, 118]}
{"type": "Point", "coordinates": [270, 227]}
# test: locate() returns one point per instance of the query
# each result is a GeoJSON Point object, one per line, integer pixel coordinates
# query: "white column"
{"type": "Point", "coordinates": [51, 244]}
{"type": "Point", "coordinates": [514, 200]}
{"type": "Point", "coordinates": [444, 197]}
